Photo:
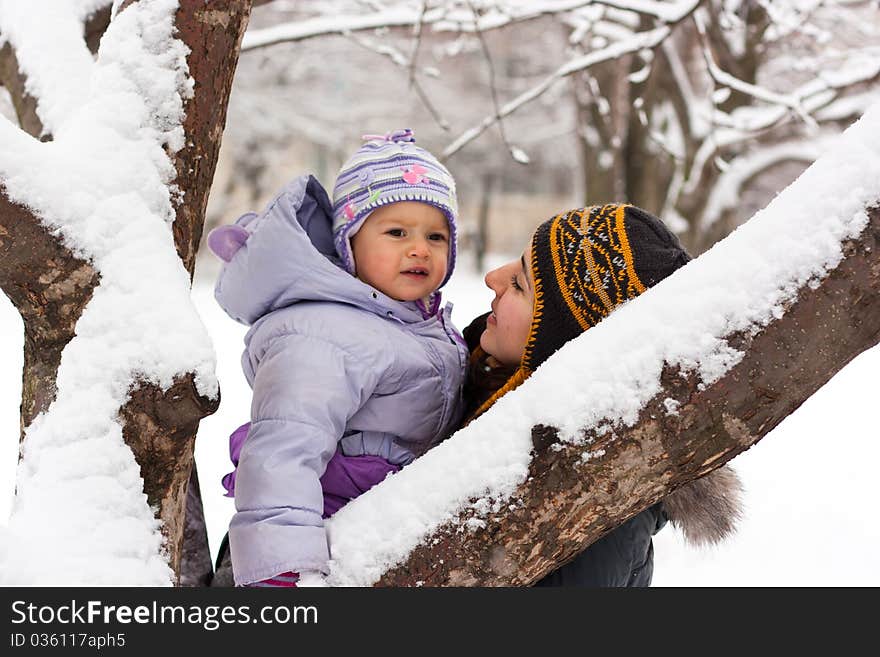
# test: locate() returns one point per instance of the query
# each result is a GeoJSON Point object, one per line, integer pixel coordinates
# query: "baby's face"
{"type": "Point", "coordinates": [402, 250]}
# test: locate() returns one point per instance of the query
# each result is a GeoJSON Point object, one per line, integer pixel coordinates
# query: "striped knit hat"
{"type": "Point", "coordinates": [585, 263]}
{"type": "Point", "coordinates": [387, 169]}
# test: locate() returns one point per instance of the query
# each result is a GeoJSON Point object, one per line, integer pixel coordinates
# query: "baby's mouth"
{"type": "Point", "coordinates": [415, 271]}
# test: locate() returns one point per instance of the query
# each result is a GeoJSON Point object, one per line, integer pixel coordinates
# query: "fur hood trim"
{"type": "Point", "coordinates": [707, 509]}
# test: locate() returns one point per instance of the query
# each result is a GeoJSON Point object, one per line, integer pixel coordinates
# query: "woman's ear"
{"type": "Point", "coordinates": [225, 241]}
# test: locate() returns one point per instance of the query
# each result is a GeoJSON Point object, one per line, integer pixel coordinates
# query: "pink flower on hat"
{"type": "Point", "coordinates": [413, 175]}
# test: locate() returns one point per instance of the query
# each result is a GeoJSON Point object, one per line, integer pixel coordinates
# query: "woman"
{"type": "Point", "coordinates": [578, 267]}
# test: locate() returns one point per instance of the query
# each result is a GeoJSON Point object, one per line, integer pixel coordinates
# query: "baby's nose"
{"type": "Point", "coordinates": [419, 248]}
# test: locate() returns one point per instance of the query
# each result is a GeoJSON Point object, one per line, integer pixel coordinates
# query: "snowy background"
{"type": "Point", "coordinates": [809, 517]}
{"type": "Point", "coordinates": [811, 491]}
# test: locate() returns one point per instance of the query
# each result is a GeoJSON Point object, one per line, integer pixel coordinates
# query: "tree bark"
{"type": "Point", "coordinates": [50, 287]}
{"type": "Point", "coordinates": [95, 26]}
{"type": "Point", "coordinates": [213, 32]}
{"type": "Point", "coordinates": [214, 36]}
{"type": "Point", "coordinates": [25, 105]}
{"type": "Point", "coordinates": [565, 505]}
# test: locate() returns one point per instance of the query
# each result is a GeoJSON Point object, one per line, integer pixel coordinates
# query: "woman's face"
{"type": "Point", "coordinates": [507, 328]}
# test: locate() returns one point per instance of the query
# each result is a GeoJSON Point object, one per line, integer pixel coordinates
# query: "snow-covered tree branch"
{"type": "Point", "coordinates": [666, 389]}
{"type": "Point", "coordinates": [103, 187]}
{"type": "Point", "coordinates": [100, 226]}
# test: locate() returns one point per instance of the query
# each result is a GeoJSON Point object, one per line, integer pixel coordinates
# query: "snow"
{"type": "Point", "coordinates": [38, 31]}
{"type": "Point", "coordinates": [103, 186]}
{"type": "Point", "coordinates": [743, 284]}
{"type": "Point", "coordinates": [796, 530]}
{"type": "Point", "coordinates": [442, 18]}
{"type": "Point", "coordinates": [519, 155]}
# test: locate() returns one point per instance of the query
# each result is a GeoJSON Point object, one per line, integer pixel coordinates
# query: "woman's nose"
{"type": "Point", "coordinates": [491, 279]}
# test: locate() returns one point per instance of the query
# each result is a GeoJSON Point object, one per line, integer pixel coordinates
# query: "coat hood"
{"type": "Point", "coordinates": [707, 510]}
{"type": "Point", "coordinates": [286, 254]}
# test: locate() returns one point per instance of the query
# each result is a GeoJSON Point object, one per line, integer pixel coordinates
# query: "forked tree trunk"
{"type": "Point", "coordinates": [50, 287]}
{"type": "Point", "coordinates": [566, 504]}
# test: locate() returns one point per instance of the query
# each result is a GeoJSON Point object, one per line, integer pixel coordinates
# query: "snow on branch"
{"type": "Point", "coordinates": [635, 43]}
{"type": "Point", "coordinates": [737, 288]}
{"type": "Point", "coordinates": [848, 106]}
{"type": "Point", "coordinates": [103, 185]}
{"type": "Point", "coordinates": [724, 78]}
{"type": "Point", "coordinates": [52, 55]}
{"type": "Point", "coordinates": [447, 19]}
{"type": "Point", "coordinates": [441, 18]}
{"type": "Point", "coordinates": [814, 96]}
{"type": "Point", "coordinates": [667, 12]}
{"type": "Point", "coordinates": [16, 142]}
{"type": "Point", "coordinates": [811, 96]}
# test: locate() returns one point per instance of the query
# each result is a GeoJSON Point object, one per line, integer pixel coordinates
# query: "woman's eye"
{"type": "Point", "coordinates": [515, 283]}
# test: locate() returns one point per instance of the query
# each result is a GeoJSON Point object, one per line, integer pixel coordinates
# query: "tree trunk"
{"type": "Point", "coordinates": [566, 504]}
{"type": "Point", "coordinates": [50, 287]}
{"type": "Point", "coordinates": [214, 36]}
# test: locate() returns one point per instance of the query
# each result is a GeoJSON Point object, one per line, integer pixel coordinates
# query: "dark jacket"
{"type": "Point", "coordinates": [623, 557]}
{"type": "Point", "coordinates": [706, 509]}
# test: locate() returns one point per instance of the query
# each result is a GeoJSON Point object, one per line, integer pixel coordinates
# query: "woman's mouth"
{"type": "Point", "coordinates": [491, 319]}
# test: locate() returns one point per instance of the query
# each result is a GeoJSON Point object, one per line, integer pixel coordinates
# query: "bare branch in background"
{"type": "Point", "coordinates": [517, 154]}
{"type": "Point", "coordinates": [417, 42]}
{"type": "Point", "coordinates": [637, 42]}
{"type": "Point", "coordinates": [399, 59]}
{"type": "Point", "coordinates": [757, 92]}
{"type": "Point", "coordinates": [442, 19]}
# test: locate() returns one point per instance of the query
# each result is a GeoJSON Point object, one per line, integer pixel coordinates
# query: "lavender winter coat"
{"type": "Point", "coordinates": [333, 363]}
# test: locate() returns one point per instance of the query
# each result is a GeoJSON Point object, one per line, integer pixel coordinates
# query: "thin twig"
{"type": "Point", "coordinates": [414, 82]}
{"type": "Point", "coordinates": [494, 91]}
{"type": "Point", "coordinates": [380, 48]}
{"type": "Point", "coordinates": [638, 41]}
{"type": "Point", "coordinates": [441, 17]}
{"type": "Point", "coordinates": [399, 59]}
{"type": "Point", "coordinates": [414, 56]}
{"type": "Point", "coordinates": [759, 93]}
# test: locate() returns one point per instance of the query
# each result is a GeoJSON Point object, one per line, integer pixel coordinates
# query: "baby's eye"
{"type": "Point", "coordinates": [437, 237]}
{"type": "Point", "coordinates": [515, 283]}
{"type": "Point", "coordinates": [395, 232]}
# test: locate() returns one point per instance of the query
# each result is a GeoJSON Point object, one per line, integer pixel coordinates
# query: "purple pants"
{"type": "Point", "coordinates": [345, 478]}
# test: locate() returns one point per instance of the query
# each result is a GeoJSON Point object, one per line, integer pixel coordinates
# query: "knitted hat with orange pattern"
{"type": "Point", "coordinates": [585, 263]}
{"type": "Point", "coordinates": [588, 261]}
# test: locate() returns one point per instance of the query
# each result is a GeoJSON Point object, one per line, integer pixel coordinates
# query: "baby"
{"type": "Point", "coordinates": [355, 368]}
